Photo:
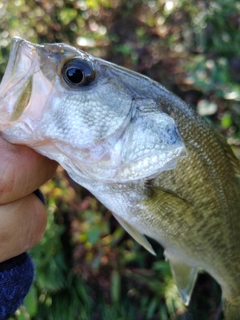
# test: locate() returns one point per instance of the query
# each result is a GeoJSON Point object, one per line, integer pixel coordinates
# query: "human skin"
{"type": "Point", "coordinates": [22, 214]}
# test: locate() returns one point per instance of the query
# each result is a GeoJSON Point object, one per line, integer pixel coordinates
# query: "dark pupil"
{"type": "Point", "coordinates": [78, 73]}
{"type": "Point", "coordinates": [75, 75]}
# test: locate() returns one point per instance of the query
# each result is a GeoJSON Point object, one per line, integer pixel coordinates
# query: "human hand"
{"type": "Point", "coordinates": [22, 214]}
{"type": "Point", "coordinates": [22, 220]}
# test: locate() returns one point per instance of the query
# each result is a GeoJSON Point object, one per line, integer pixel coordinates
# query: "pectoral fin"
{"type": "Point", "coordinates": [184, 275]}
{"type": "Point", "coordinates": [140, 238]}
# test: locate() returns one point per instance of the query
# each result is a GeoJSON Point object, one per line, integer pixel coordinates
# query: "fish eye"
{"type": "Point", "coordinates": [78, 73]}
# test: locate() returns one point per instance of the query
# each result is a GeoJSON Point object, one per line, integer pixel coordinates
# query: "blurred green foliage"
{"type": "Point", "coordinates": [87, 267]}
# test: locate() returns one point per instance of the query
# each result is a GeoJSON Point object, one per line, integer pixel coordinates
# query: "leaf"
{"type": "Point", "coordinates": [115, 287]}
{"type": "Point", "coordinates": [226, 121]}
{"type": "Point", "coordinates": [31, 301]}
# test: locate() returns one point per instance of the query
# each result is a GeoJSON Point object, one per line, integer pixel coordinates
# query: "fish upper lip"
{"type": "Point", "coordinates": [18, 40]}
{"type": "Point", "coordinates": [15, 44]}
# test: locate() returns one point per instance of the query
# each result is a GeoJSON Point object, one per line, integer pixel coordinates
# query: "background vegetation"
{"type": "Point", "coordinates": [87, 267]}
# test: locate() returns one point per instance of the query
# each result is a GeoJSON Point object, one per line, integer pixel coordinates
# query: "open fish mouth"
{"type": "Point", "coordinates": [22, 88]}
{"type": "Point", "coordinates": [16, 85]}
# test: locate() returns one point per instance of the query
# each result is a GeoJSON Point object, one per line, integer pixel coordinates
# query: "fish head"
{"type": "Point", "coordinates": [100, 121]}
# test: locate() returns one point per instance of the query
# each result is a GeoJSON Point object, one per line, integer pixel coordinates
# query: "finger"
{"type": "Point", "coordinates": [22, 225]}
{"type": "Point", "coordinates": [22, 171]}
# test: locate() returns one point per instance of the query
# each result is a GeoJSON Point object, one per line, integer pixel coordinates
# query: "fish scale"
{"type": "Point", "coordinates": [214, 195]}
{"type": "Point", "coordinates": [147, 156]}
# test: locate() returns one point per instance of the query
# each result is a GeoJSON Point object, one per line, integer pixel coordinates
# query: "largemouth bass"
{"type": "Point", "coordinates": [147, 156]}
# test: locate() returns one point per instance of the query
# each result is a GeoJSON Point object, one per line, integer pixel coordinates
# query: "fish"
{"type": "Point", "coordinates": [161, 169]}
